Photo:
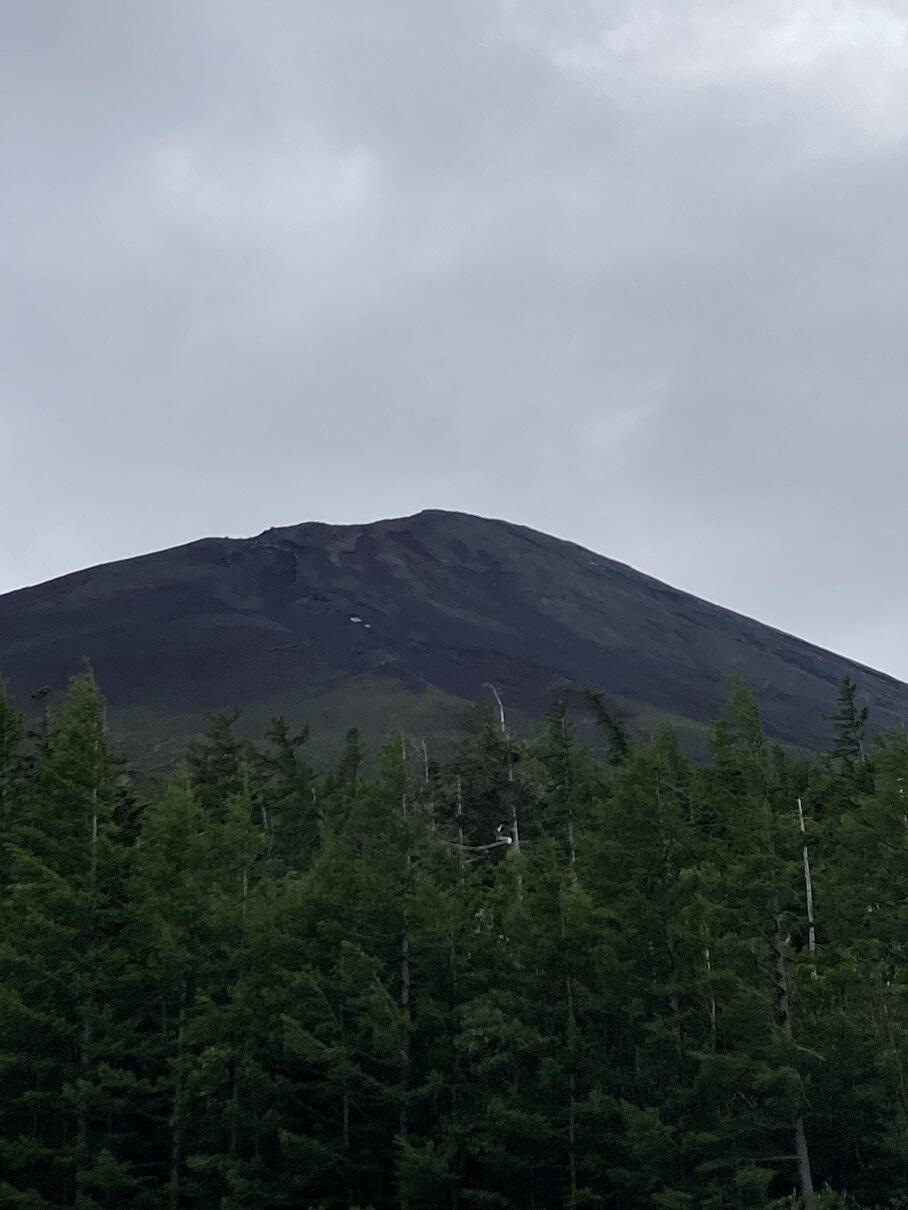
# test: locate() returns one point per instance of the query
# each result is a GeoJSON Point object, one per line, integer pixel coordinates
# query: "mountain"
{"type": "Point", "coordinates": [398, 623]}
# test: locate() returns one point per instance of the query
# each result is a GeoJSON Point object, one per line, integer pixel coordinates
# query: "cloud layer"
{"type": "Point", "coordinates": [632, 273]}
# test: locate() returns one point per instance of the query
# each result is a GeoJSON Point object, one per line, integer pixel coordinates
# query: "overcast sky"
{"type": "Point", "coordinates": [633, 272]}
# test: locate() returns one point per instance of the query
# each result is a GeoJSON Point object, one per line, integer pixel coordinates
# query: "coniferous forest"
{"type": "Point", "coordinates": [529, 974]}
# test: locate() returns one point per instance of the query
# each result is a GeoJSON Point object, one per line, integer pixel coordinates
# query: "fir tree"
{"type": "Point", "coordinates": [515, 979]}
{"type": "Point", "coordinates": [849, 725]}
{"type": "Point", "coordinates": [171, 943]}
{"type": "Point", "coordinates": [619, 744]}
{"type": "Point", "coordinates": [59, 921]}
{"type": "Point", "coordinates": [12, 769]}
{"type": "Point", "coordinates": [290, 817]}
{"type": "Point", "coordinates": [218, 761]}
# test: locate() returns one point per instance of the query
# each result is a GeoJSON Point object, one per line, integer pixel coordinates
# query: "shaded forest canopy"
{"type": "Point", "coordinates": [528, 975]}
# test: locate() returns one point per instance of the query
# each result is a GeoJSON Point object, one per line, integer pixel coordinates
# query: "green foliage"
{"type": "Point", "coordinates": [60, 921]}
{"type": "Point", "coordinates": [619, 744]}
{"type": "Point", "coordinates": [516, 978]}
{"type": "Point", "coordinates": [849, 724]}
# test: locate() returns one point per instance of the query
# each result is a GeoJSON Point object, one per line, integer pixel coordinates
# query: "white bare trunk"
{"type": "Point", "coordinates": [512, 801]}
{"type": "Point", "coordinates": [711, 1000]}
{"type": "Point", "coordinates": [94, 845]}
{"type": "Point", "coordinates": [515, 827]}
{"type": "Point", "coordinates": [501, 717]}
{"type": "Point", "coordinates": [805, 1176]}
{"type": "Point", "coordinates": [458, 815]}
{"type": "Point", "coordinates": [266, 829]}
{"type": "Point", "coordinates": [808, 892]}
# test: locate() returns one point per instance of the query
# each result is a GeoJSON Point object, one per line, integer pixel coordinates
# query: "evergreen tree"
{"type": "Point", "coordinates": [60, 1087]}
{"type": "Point", "coordinates": [232, 1051]}
{"type": "Point", "coordinates": [487, 794]}
{"type": "Point", "coordinates": [12, 769]}
{"type": "Point", "coordinates": [619, 743]}
{"type": "Point", "coordinates": [755, 838]}
{"type": "Point", "coordinates": [863, 992]}
{"type": "Point", "coordinates": [290, 818]}
{"type": "Point", "coordinates": [170, 943]}
{"type": "Point", "coordinates": [218, 762]}
{"type": "Point", "coordinates": [850, 725]}
{"type": "Point", "coordinates": [515, 979]}
{"type": "Point", "coordinates": [351, 761]}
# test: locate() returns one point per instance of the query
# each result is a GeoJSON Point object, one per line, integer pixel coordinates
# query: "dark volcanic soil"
{"type": "Point", "coordinates": [441, 600]}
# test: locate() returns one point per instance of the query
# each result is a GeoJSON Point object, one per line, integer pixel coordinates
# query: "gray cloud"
{"type": "Point", "coordinates": [632, 273]}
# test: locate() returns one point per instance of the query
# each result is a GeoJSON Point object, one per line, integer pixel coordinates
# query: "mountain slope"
{"type": "Point", "coordinates": [399, 621]}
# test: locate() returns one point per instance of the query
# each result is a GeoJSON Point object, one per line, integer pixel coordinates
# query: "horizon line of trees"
{"type": "Point", "coordinates": [524, 977]}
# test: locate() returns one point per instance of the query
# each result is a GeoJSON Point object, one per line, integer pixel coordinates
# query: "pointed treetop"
{"type": "Point", "coordinates": [849, 724]}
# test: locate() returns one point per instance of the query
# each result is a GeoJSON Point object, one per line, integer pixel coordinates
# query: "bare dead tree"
{"type": "Point", "coordinates": [512, 798]}
{"type": "Point", "coordinates": [808, 893]}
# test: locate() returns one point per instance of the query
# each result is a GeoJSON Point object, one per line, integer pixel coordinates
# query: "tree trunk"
{"type": "Point", "coordinates": [808, 893]}
{"type": "Point", "coordinates": [710, 1000]}
{"type": "Point", "coordinates": [805, 1176]}
{"type": "Point", "coordinates": [783, 1008]}
{"type": "Point", "coordinates": [571, 1024]}
{"type": "Point", "coordinates": [346, 1149]}
{"type": "Point", "coordinates": [512, 801]}
{"type": "Point", "coordinates": [177, 1126]}
{"type": "Point", "coordinates": [458, 815]}
{"type": "Point", "coordinates": [572, 1101]}
{"type": "Point", "coordinates": [82, 1131]}
{"type": "Point", "coordinates": [345, 1143]}
{"type": "Point", "coordinates": [572, 849]}
{"type": "Point", "coordinates": [673, 1000]}
{"type": "Point", "coordinates": [405, 988]}
{"type": "Point", "coordinates": [234, 1112]}
{"type": "Point", "coordinates": [405, 1010]}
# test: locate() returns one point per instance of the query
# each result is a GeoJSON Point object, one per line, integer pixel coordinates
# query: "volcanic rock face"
{"type": "Point", "coordinates": [368, 624]}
